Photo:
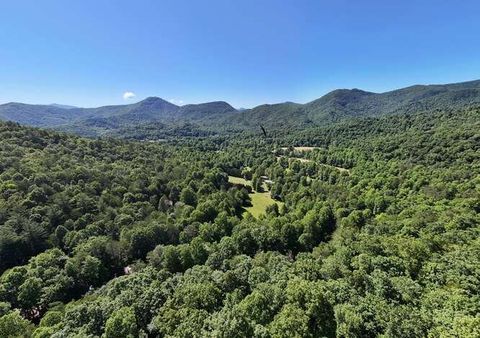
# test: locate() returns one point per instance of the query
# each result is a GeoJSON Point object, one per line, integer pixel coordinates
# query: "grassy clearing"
{"type": "Point", "coordinates": [303, 160]}
{"type": "Point", "coordinates": [306, 160]}
{"type": "Point", "coordinates": [260, 200]}
{"type": "Point", "coordinates": [300, 148]}
{"type": "Point", "coordinates": [343, 169]}
{"type": "Point", "coordinates": [238, 180]}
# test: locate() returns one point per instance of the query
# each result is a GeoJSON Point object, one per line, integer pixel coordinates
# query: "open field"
{"type": "Point", "coordinates": [306, 160]}
{"type": "Point", "coordinates": [300, 148]}
{"type": "Point", "coordinates": [260, 200]}
{"type": "Point", "coordinates": [303, 160]}
{"type": "Point", "coordinates": [238, 180]}
{"type": "Point", "coordinates": [342, 169]}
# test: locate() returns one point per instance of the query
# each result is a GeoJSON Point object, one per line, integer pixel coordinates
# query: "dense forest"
{"type": "Point", "coordinates": [374, 233]}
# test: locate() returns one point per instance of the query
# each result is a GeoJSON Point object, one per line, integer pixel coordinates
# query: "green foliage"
{"type": "Point", "coordinates": [290, 322]}
{"type": "Point", "coordinates": [121, 323]}
{"type": "Point", "coordinates": [12, 325]}
{"type": "Point", "coordinates": [375, 233]}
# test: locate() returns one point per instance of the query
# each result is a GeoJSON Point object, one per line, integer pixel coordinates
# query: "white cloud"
{"type": "Point", "coordinates": [128, 95]}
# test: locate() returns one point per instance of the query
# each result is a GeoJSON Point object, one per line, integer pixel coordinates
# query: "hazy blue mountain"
{"type": "Point", "coordinates": [38, 115]}
{"type": "Point", "coordinates": [152, 109]}
{"type": "Point", "coordinates": [65, 106]}
{"type": "Point", "coordinates": [335, 106]}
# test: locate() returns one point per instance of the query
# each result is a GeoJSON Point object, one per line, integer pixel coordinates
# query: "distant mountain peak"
{"type": "Point", "coordinates": [154, 100]}
{"type": "Point", "coordinates": [208, 108]}
{"type": "Point", "coordinates": [349, 92]}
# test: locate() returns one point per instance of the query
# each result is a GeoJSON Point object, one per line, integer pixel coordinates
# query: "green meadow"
{"type": "Point", "coordinates": [260, 200]}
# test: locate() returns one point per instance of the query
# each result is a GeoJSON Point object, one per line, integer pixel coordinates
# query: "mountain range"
{"type": "Point", "coordinates": [148, 110]}
{"type": "Point", "coordinates": [333, 107]}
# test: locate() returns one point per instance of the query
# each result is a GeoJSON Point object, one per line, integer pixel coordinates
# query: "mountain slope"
{"type": "Point", "coordinates": [204, 109]}
{"type": "Point", "coordinates": [102, 236]}
{"type": "Point", "coordinates": [96, 121]}
{"type": "Point", "coordinates": [347, 103]}
{"type": "Point", "coordinates": [151, 111]}
{"type": "Point", "coordinates": [64, 106]}
{"type": "Point", "coordinates": [342, 104]}
{"type": "Point", "coordinates": [38, 115]}
{"type": "Point", "coordinates": [271, 115]}
{"type": "Point", "coordinates": [336, 106]}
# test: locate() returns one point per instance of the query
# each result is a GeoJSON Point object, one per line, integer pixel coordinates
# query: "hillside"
{"type": "Point", "coordinates": [97, 121]}
{"type": "Point", "coordinates": [220, 117]}
{"type": "Point", "coordinates": [342, 104]}
{"type": "Point", "coordinates": [334, 107]}
{"type": "Point", "coordinates": [198, 111]}
{"type": "Point", "coordinates": [39, 115]}
{"type": "Point", "coordinates": [118, 238]}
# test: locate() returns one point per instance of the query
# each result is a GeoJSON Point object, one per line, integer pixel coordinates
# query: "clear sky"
{"type": "Point", "coordinates": [246, 52]}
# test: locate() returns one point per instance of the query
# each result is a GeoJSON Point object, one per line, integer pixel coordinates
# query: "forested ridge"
{"type": "Point", "coordinates": [377, 234]}
{"type": "Point", "coordinates": [157, 117]}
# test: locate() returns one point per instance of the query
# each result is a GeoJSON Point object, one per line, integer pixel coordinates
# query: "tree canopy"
{"type": "Point", "coordinates": [376, 235]}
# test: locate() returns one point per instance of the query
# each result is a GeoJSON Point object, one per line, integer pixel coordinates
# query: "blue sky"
{"type": "Point", "coordinates": [246, 52]}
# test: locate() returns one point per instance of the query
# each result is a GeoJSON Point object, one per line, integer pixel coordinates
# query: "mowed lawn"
{"type": "Point", "coordinates": [260, 200]}
{"type": "Point", "coordinates": [300, 148]}
{"type": "Point", "coordinates": [238, 180]}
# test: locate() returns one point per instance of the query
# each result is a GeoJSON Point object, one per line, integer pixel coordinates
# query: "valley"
{"type": "Point", "coordinates": [239, 169]}
{"type": "Point", "coordinates": [332, 227]}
